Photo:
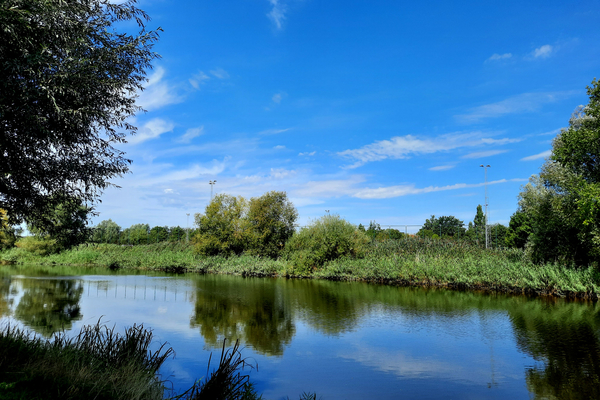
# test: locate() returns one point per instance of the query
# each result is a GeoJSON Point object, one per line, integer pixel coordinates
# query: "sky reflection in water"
{"type": "Point", "coordinates": [342, 340]}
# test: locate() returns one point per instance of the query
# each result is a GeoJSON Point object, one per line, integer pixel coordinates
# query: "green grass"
{"type": "Point", "coordinates": [411, 261]}
{"type": "Point", "coordinates": [100, 363]}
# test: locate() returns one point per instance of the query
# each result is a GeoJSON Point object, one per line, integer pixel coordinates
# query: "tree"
{"type": "Point", "coordinates": [136, 234]}
{"type": "Point", "coordinates": [519, 229]}
{"type": "Point", "coordinates": [562, 202]}
{"type": "Point", "coordinates": [476, 231]}
{"type": "Point", "coordinates": [68, 86]}
{"type": "Point", "coordinates": [106, 231]}
{"type": "Point", "coordinates": [271, 219]}
{"type": "Point", "coordinates": [448, 226]}
{"type": "Point", "coordinates": [7, 232]}
{"type": "Point", "coordinates": [158, 234]}
{"type": "Point", "coordinates": [64, 220]}
{"type": "Point", "coordinates": [223, 228]}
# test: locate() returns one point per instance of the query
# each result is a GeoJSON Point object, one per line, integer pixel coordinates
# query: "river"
{"type": "Point", "coordinates": [341, 340]}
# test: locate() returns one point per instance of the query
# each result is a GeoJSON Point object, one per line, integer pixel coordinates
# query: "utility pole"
{"type": "Point", "coordinates": [211, 183]}
{"type": "Point", "coordinates": [487, 201]}
{"type": "Point", "coordinates": [187, 231]}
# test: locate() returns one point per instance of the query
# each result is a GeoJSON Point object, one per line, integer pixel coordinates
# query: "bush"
{"type": "Point", "coordinates": [40, 246]}
{"type": "Point", "coordinates": [326, 239]}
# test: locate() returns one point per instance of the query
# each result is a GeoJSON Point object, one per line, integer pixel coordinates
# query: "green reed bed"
{"type": "Point", "coordinates": [435, 262]}
{"type": "Point", "coordinates": [411, 261]}
{"type": "Point", "coordinates": [100, 363]}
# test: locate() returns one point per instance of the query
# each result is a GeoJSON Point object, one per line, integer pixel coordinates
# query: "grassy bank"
{"type": "Point", "coordinates": [100, 363]}
{"type": "Point", "coordinates": [407, 262]}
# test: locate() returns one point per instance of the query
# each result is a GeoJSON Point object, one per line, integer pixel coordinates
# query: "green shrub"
{"type": "Point", "coordinates": [326, 239]}
{"type": "Point", "coordinates": [40, 246]}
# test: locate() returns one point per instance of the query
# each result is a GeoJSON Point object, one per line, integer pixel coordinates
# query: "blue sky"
{"type": "Point", "coordinates": [373, 110]}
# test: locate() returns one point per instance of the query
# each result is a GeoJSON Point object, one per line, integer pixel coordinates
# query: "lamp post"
{"type": "Point", "coordinates": [187, 229]}
{"type": "Point", "coordinates": [211, 183]}
{"type": "Point", "coordinates": [485, 167]}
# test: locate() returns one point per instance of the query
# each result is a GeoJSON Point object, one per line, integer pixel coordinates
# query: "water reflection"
{"type": "Point", "coordinates": [252, 310]}
{"type": "Point", "coordinates": [564, 339]}
{"type": "Point", "coordinates": [419, 336]}
{"type": "Point", "coordinates": [49, 305]}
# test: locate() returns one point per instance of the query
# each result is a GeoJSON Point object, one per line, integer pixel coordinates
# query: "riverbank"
{"type": "Point", "coordinates": [415, 262]}
{"type": "Point", "coordinates": [102, 364]}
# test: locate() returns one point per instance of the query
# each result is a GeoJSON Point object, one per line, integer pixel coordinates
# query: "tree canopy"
{"type": "Point", "coordinates": [562, 203]}
{"type": "Point", "coordinates": [68, 87]}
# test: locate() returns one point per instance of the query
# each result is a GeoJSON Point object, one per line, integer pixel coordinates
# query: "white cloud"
{"type": "Point", "coordinates": [526, 102]}
{"type": "Point", "coordinates": [280, 173]}
{"type": "Point", "coordinates": [157, 93]}
{"type": "Point", "coordinates": [543, 154]}
{"type": "Point", "coordinates": [496, 57]}
{"type": "Point", "coordinates": [501, 141]}
{"type": "Point", "coordinates": [198, 79]}
{"type": "Point", "coordinates": [404, 146]}
{"type": "Point", "coordinates": [279, 147]}
{"type": "Point", "coordinates": [482, 154]}
{"type": "Point", "coordinates": [312, 153]}
{"type": "Point", "coordinates": [551, 133]}
{"type": "Point", "coordinates": [277, 14]}
{"type": "Point", "coordinates": [273, 131]}
{"type": "Point", "coordinates": [190, 134]}
{"type": "Point", "coordinates": [151, 130]}
{"type": "Point", "coordinates": [277, 97]}
{"type": "Point", "coordinates": [219, 73]}
{"type": "Point", "coordinates": [543, 52]}
{"type": "Point", "coordinates": [405, 190]}
{"type": "Point", "coordinates": [442, 168]}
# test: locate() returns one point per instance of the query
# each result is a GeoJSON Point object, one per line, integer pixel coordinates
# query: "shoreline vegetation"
{"type": "Point", "coordinates": [100, 363]}
{"type": "Point", "coordinates": [410, 261]}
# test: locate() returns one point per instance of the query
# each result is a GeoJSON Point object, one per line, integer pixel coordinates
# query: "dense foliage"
{"type": "Point", "coordinates": [232, 225]}
{"type": "Point", "coordinates": [444, 226]}
{"type": "Point", "coordinates": [328, 238]}
{"type": "Point", "coordinates": [561, 204]}
{"type": "Point", "coordinates": [69, 79]}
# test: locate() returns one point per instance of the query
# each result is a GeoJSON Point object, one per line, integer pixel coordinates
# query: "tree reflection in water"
{"type": "Point", "coordinates": [565, 339]}
{"type": "Point", "coordinates": [49, 305]}
{"type": "Point", "coordinates": [251, 310]}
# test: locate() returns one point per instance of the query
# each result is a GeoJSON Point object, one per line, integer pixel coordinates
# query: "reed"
{"type": "Point", "coordinates": [407, 261]}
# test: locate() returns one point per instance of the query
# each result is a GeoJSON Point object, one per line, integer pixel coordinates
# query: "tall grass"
{"type": "Point", "coordinates": [98, 363]}
{"type": "Point", "coordinates": [407, 261]}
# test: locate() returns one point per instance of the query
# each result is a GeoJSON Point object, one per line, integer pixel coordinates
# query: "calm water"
{"type": "Point", "coordinates": [341, 340]}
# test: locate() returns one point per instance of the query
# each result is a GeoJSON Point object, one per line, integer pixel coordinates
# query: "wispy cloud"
{"type": "Point", "coordinates": [523, 103]}
{"type": "Point", "coordinates": [482, 154]}
{"type": "Point", "coordinates": [405, 146]}
{"type": "Point", "coordinates": [273, 131]}
{"type": "Point", "coordinates": [191, 134]}
{"type": "Point", "coordinates": [198, 79]}
{"type": "Point", "coordinates": [279, 147]}
{"type": "Point", "coordinates": [151, 130]}
{"type": "Point", "coordinates": [157, 93]}
{"type": "Point", "coordinates": [442, 168]}
{"type": "Point", "coordinates": [497, 57]}
{"type": "Point", "coordinates": [405, 190]}
{"type": "Point", "coordinates": [543, 154]}
{"type": "Point", "coordinates": [543, 52]}
{"type": "Point", "coordinates": [551, 133]}
{"type": "Point", "coordinates": [312, 153]}
{"type": "Point", "coordinates": [219, 73]}
{"type": "Point", "coordinates": [277, 13]}
{"type": "Point", "coordinates": [277, 98]}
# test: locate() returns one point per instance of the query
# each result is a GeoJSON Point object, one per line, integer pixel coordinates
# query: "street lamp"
{"type": "Point", "coordinates": [211, 183]}
{"type": "Point", "coordinates": [187, 230]}
{"type": "Point", "coordinates": [487, 201]}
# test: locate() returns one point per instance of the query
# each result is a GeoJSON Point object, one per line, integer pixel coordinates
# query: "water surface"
{"type": "Point", "coordinates": [341, 340]}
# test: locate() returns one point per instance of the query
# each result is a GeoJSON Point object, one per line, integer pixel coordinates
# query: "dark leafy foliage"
{"type": "Point", "coordinates": [68, 86]}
